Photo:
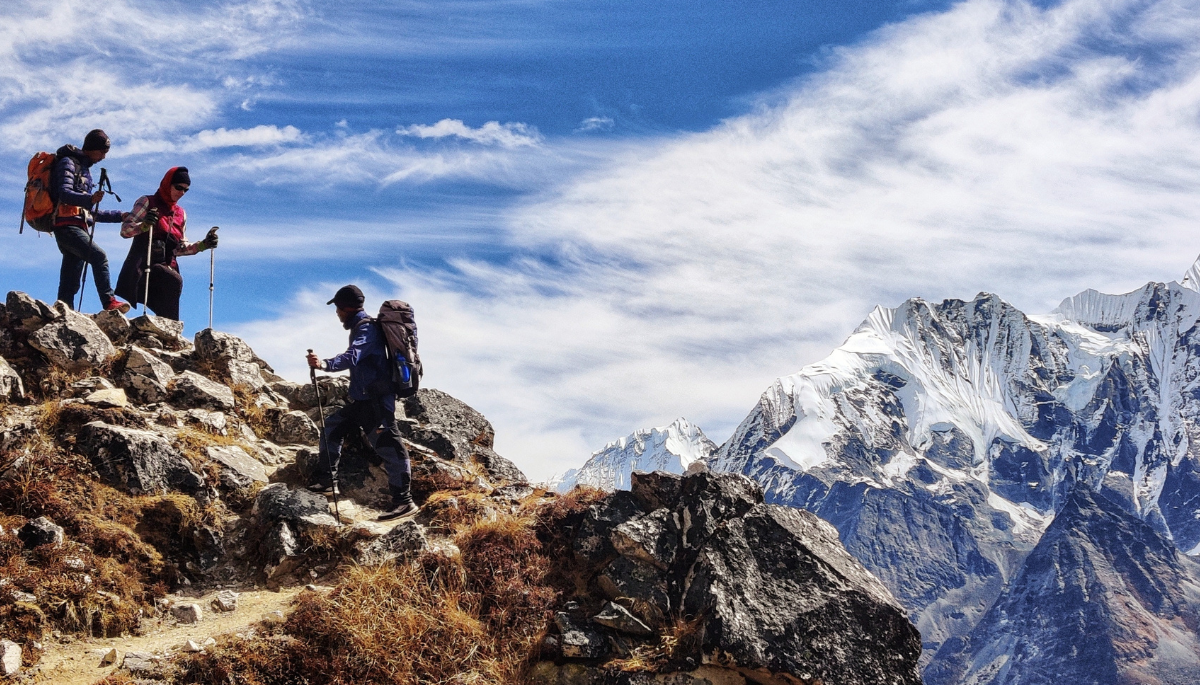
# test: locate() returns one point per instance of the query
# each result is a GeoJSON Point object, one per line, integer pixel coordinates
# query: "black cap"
{"type": "Point", "coordinates": [347, 297]}
{"type": "Point", "coordinates": [96, 140]}
{"type": "Point", "coordinates": [181, 177]}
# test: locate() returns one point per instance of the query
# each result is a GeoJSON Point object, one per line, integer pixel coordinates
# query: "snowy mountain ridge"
{"type": "Point", "coordinates": [941, 438]}
{"type": "Point", "coordinates": [672, 448]}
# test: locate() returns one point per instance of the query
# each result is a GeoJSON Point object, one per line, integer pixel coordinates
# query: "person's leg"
{"type": "Point", "coordinates": [385, 438]}
{"type": "Point", "coordinates": [99, 261]}
{"type": "Point", "coordinates": [337, 426]}
{"type": "Point", "coordinates": [67, 238]}
{"type": "Point", "coordinates": [166, 285]}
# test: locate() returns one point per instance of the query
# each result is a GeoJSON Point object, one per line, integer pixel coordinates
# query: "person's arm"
{"type": "Point", "coordinates": [109, 216]}
{"type": "Point", "coordinates": [209, 241]}
{"type": "Point", "coordinates": [65, 175]}
{"type": "Point", "coordinates": [135, 221]}
{"type": "Point", "coordinates": [352, 354]}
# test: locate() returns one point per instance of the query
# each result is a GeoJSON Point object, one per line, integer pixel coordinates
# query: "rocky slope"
{"type": "Point", "coordinates": [941, 438]}
{"type": "Point", "coordinates": [140, 470]}
{"type": "Point", "coordinates": [1103, 598]}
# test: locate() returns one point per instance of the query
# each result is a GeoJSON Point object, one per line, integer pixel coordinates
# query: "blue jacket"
{"type": "Point", "coordinates": [366, 359]}
{"type": "Point", "coordinates": [71, 184]}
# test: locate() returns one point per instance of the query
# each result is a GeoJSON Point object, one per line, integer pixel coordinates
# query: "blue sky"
{"type": "Point", "coordinates": [610, 215]}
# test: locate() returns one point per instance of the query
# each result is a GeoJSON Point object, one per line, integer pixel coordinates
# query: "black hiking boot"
{"type": "Point", "coordinates": [323, 488]}
{"type": "Point", "coordinates": [400, 511]}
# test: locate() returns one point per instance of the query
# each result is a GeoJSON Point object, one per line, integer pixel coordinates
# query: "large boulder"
{"type": "Point", "coordinates": [190, 389]}
{"type": "Point", "coordinates": [295, 428]}
{"type": "Point", "coordinates": [139, 461]}
{"type": "Point", "coordinates": [456, 432]}
{"type": "Point", "coordinates": [215, 346]}
{"type": "Point", "coordinates": [114, 324]}
{"type": "Point", "coordinates": [73, 342]}
{"type": "Point", "coordinates": [168, 332]}
{"type": "Point", "coordinates": [405, 540]}
{"type": "Point", "coordinates": [145, 376]}
{"type": "Point", "coordinates": [238, 469]}
{"type": "Point", "coordinates": [277, 503]}
{"type": "Point", "coordinates": [768, 593]}
{"type": "Point", "coordinates": [26, 313]}
{"type": "Point", "coordinates": [11, 387]}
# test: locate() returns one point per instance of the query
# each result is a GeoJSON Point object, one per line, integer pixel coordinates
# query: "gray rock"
{"type": "Point", "coordinates": [709, 499]}
{"type": "Point", "coordinates": [40, 531]}
{"type": "Point", "coordinates": [592, 543]}
{"type": "Point", "coordinates": [513, 493]}
{"type": "Point", "coordinates": [405, 540]}
{"type": "Point", "coordinates": [455, 432]}
{"type": "Point", "coordinates": [239, 470]}
{"type": "Point", "coordinates": [73, 342]}
{"type": "Point", "coordinates": [295, 428]}
{"type": "Point", "coordinates": [89, 385]}
{"type": "Point", "coordinates": [289, 391]}
{"type": "Point", "coordinates": [140, 662]}
{"type": "Point", "coordinates": [576, 641]}
{"type": "Point", "coordinates": [655, 490]}
{"type": "Point", "coordinates": [10, 658]}
{"type": "Point", "coordinates": [114, 324]}
{"type": "Point", "coordinates": [277, 503]}
{"type": "Point", "coordinates": [145, 376]}
{"type": "Point", "coordinates": [635, 580]}
{"type": "Point", "coordinates": [651, 538]}
{"type": "Point", "coordinates": [225, 601]}
{"type": "Point", "coordinates": [334, 390]}
{"type": "Point", "coordinates": [186, 613]}
{"type": "Point", "coordinates": [110, 657]}
{"type": "Point", "coordinates": [139, 461]}
{"type": "Point", "coordinates": [190, 389]}
{"type": "Point", "coordinates": [167, 331]}
{"type": "Point", "coordinates": [112, 398]}
{"type": "Point", "coordinates": [26, 313]}
{"type": "Point", "coordinates": [245, 374]}
{"type": "Point", "coordinates": [211, 421]}
{"type": "Point", "coordinates": [279, 549]}
{"type": "Point", "coordinates": [618, 618]}
{"type": "Point", "coordinates": [11, 387]}
{"type": "Point", "coordinates": [780, 594]}
{"type": "Point", "coordinates": [215, 346]}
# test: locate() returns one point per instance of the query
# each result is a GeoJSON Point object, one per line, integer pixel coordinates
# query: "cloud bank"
{"type": "Point", "coordinates": [999, 146]}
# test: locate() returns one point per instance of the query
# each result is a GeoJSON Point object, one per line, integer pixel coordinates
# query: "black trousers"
{"type": "Point", "coordinates": [379, 424]}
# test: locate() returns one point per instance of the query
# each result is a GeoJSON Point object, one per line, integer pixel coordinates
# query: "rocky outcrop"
{"type": "Point", "coordinates": [145, 376]}
{"type": "Point", "coordinates": [73, 342]}
{"type": "Point", "coordinates": [138, 461]}
{"type": "Point", "coordinates": [767, 593]}
{"type": "Point", "coordinates": [11, 386]}
{"type": "Point", "coordinates": [455, 432]}
{"type": "Point", "coordinates": [1103, 598]}
{"type": "Point", "coordinates": [190, 389]}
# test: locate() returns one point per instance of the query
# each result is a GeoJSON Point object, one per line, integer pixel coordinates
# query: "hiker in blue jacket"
{"type": "Point", "coordinates": [71, 190]}
{"type": "Point", "coordinates": [375, 414]}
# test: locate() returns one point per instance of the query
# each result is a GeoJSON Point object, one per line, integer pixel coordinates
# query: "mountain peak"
{"type": "Point", "coordinates": [671, 448]}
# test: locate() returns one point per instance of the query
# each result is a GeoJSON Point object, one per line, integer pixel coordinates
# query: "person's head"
{"type": "Point", "coordinates": [180, 183]}
{"type": "Point", "coordinates": [349, 300]}
{"type": "Point", "coordinates": [95, 145]}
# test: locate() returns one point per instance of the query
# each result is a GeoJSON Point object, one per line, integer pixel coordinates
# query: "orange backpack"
{"type": "Point", "coordinates": [39, 208]}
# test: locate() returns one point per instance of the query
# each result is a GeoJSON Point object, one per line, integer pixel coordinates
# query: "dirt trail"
{"type": "Point", "coordinates": [77, 662]}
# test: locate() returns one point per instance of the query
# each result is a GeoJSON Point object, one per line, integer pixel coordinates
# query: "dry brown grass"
{"type": "Point", "coordinates": [251, 413]}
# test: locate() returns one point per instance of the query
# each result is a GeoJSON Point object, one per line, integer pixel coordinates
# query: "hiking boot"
{"type": "Point", "coordinates": [323, 488]}
{"type": "Point", "coordinates": [114, 303]}
{"type": "Point", "coordinates": [400, 511]}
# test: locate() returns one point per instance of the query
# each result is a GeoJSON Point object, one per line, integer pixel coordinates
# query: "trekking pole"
{"type": "Point", "coordinates": [104, 181]}
{"type": "Point", "coordinates": [149, 248]}
{"type": "Point", "coordinates": [211, 262]}
{"type": "Point", "coordinates": [312, 373]}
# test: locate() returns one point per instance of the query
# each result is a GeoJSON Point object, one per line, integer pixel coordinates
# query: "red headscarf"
{"type": "Point", "coordinates": [170, 215]}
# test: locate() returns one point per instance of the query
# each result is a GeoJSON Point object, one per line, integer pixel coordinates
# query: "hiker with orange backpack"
{"type": "Point", "coordinates": [158, 226]}
{"type": "Point", "coordinates": [74, 209]}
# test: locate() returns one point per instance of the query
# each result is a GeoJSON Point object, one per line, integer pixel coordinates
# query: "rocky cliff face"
{"type": "Point", "coordinates": [1103, 598]}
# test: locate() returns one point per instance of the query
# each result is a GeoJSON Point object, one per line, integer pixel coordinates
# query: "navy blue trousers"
{"type": "Point", "coordinates": [77, 249]}
{"type": "Point", "coordinates": [379, 424]}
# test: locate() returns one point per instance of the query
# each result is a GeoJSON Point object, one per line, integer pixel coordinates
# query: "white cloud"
{"type": "Point", "coordinates": [508, 135]}
{"type": "Point", "coordinates": [595, 124]}
{"type": "Point", "coordinates": [997, 146]}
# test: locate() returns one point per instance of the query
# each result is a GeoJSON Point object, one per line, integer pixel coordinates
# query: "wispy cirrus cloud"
{"type": "Point", "coordinates": [1001, 146]}
{"type": "Point", "coordinates": [507, 135]}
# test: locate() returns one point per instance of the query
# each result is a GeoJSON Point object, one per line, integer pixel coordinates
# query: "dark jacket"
{"type": "Point", "coordinates": [71, 185]}
{"type": "Point", "coordinates": [365, 358]}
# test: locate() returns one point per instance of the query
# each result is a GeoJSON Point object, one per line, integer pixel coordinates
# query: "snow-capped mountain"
{"type": "Point", "coordinates": [670, 448]}
{"type": "Point", "coordinates": [942, 438]}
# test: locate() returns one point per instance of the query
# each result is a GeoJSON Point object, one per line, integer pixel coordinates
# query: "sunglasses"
{"type": "Point", "coordinates": [180, 188]}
